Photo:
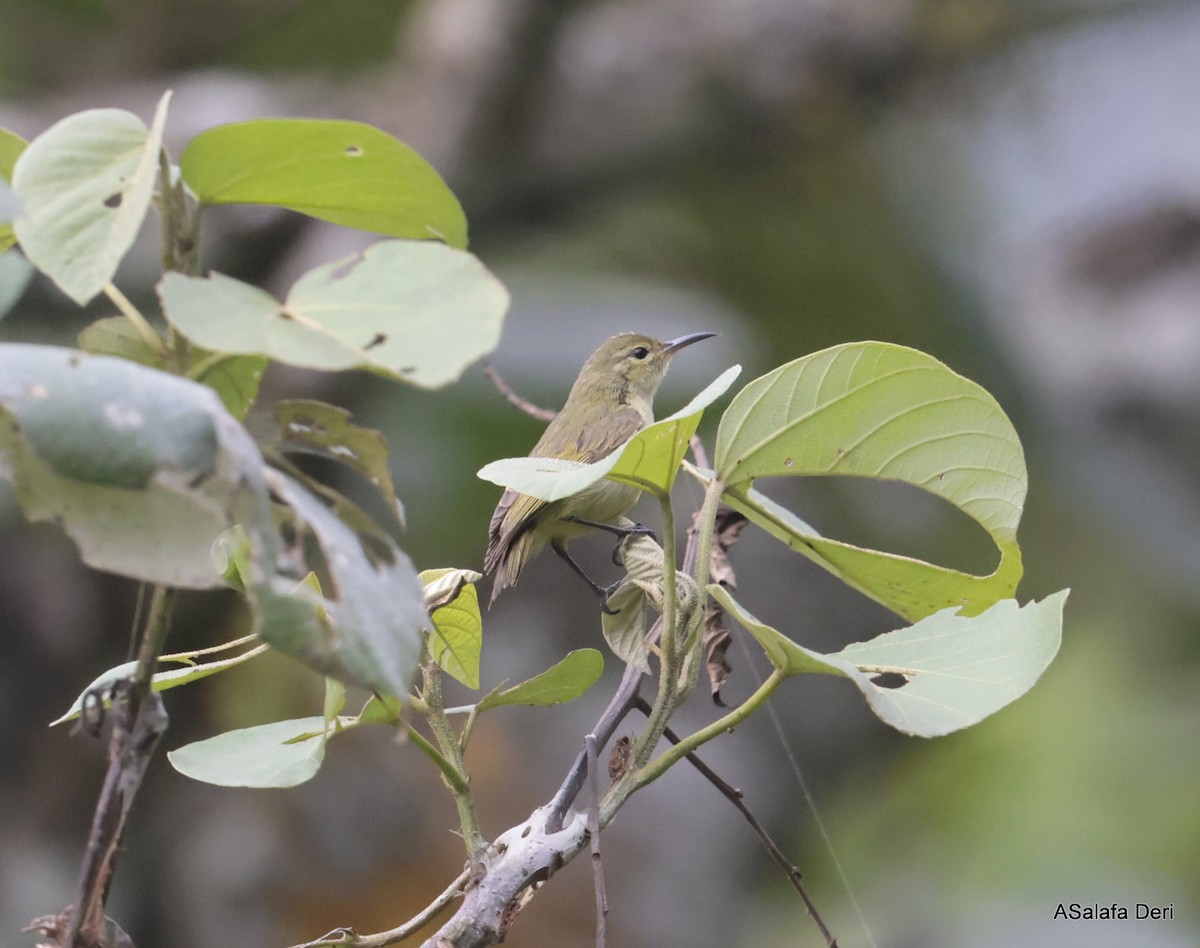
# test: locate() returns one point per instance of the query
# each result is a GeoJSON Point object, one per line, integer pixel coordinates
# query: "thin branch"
{"type": "Point", "coordinates": [534, 411]}
{"type": "Point", "coordinates": [593, 827]}
{"type": "Point", "coordinates": [348, 938]}
{"type": "Point", "coordinates": [734, 796]}
{"type": "Point", "coordinates": [139, 721]}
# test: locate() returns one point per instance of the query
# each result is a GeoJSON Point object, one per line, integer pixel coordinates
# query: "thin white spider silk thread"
{"type": "Point", "coordinates": [809, 801]}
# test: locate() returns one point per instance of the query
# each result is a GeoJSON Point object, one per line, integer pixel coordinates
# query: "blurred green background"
{"type": "Point", "coordinates": [1011, 186]}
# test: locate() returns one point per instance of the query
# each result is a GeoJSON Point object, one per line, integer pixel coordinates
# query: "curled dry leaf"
{"type": "Point", "coordinates": [729, 525]}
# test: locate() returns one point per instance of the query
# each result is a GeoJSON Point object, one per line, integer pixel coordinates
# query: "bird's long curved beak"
{"type": "Point", "coordinates": [675, 345]}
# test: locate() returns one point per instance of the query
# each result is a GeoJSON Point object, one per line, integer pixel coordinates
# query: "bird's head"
{"type": "Point", "coordinates": [631, 366]}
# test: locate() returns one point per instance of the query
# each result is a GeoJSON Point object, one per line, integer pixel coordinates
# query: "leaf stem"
{"type": "Point", "coordinates": [661, 764]}
{"type": "Point", "coordinates": [131, 312]}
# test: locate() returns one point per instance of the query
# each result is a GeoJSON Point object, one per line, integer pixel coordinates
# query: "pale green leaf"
{"type": "Point", "coordinates": [649, 460]}
{"type": "Point", "coordinates": [161, 681]}
{"type": "Point", "coordinates": [566, 681]}
{"type": "Point", "coordinates": [419, 312]}
{"type": "Point", "coordinates": [886, 412]}
{"type": "Point", "coordinates": [280, 754]}
{"type": "Point", "coordinates": [955, 670]}
{"type": "Point", "coordinates": [144, 470]}
{"type": "Point", "coordinates": [345, 172]}
{"type": "Point", "coordinates": [85, 185]}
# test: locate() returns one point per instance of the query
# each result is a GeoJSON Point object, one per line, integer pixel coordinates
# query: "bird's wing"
{"type": "Point", "coordinates": [516, 512]}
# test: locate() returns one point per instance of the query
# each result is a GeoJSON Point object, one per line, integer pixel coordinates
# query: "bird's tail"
{"type": "Point", "coordinates": [509, 560]}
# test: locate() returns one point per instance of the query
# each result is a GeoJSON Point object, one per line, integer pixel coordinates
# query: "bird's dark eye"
{"type": "Point", "coordinates": [640, 352]}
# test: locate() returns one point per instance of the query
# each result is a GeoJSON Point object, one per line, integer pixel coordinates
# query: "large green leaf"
{"type": "Point", "coordinates": [144, 470]}
{"type": "Point", "coordinates": [649, 460]}
{"type": "Point", "coordinates": [886, 412]}
{"type": "Point", "coordinates": [420, 312]}
{"type": "Point", "coordinates": [345, 172]}
{"type": "Point", "coordinates": [11, 146]}
{"type": "Point", "coordinates": [85, 185]}
{"type": "Point", "coordinates": [367, 629]}
{"type": "Point", "coordinates": [939, 675]}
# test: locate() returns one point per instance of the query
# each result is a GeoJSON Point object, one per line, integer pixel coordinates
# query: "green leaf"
{"type": "Point", "coordinates": [345, 172]}
{"type": "Point", "coordinates": [161, 681]}
{"type": "Point", "coordinates": [11, 146]}
{"type": "Point", "coordinates": [235, 379]}
{"type": "Point", "coordinates": [326, 430]}
{"type": "Point", "coordinates": [419, 312]}
{"type": "Point", "coordinates": [142, 469]}
{"type": "Point", "coordinates": [281, 754]}
{"type": "Point", "coordinates": [649, 460]}
{"type": "Point", "coordinates": [456, 640]}
{"type": "Point", "coordinates": [368, 629]}
{"type": "Point", "coordinates": [886, 412]}
{"type": "Point", "coordinates": [86, 184]}
{"type": "Point", "coordinates": [566, 681]}
{"type": "Point", "coordinates": [952, 671]}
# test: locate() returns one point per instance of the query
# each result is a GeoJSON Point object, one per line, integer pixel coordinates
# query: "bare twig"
{"type": "Point", "coordinates": [534, 411]}
{"type": "Point", "coordinates": [348, 938]}
{"type": "Point", "coordinates": [593, 827]}
{"type": "Point", "coordinates": [139, 721]}
{"type": "Point", "coordinates": [735, 796]}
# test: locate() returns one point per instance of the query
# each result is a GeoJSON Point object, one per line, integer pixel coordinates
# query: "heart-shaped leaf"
{"type": "Point", "coordinates": [880, 411]}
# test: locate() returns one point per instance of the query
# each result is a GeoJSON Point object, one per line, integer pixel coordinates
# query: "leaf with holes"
{"type": "Point", "coordinates": [345, 172]}
{"type": "Point", "coordinates": [880, 411]}
{"type": "Point", "coordinates": [312, 427]}
{"type": "Point", "coordinates": [938, 675]}
{"type": "Point", "coordinates": [85, 185]}
{"type": "Point", "coordinates": [366, 627]}
{"type": "Point", "coordinates": [649, 460]}
{"type": "Point", "coordinates": [419, 312]}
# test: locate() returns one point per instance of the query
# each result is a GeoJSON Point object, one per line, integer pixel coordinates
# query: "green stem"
{"type": "Point", "coordinates": [451, 752]}
{"type": "Point", "coordinates": [661, 764]}
{"type": "Point", "coordinates": [130, 312]}
{"type": "Point", "coordinates": [704, 541]}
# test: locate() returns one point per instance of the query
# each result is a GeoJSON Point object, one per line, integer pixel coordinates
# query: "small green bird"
{"type": "Point", "coordinates": [610, 402]}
